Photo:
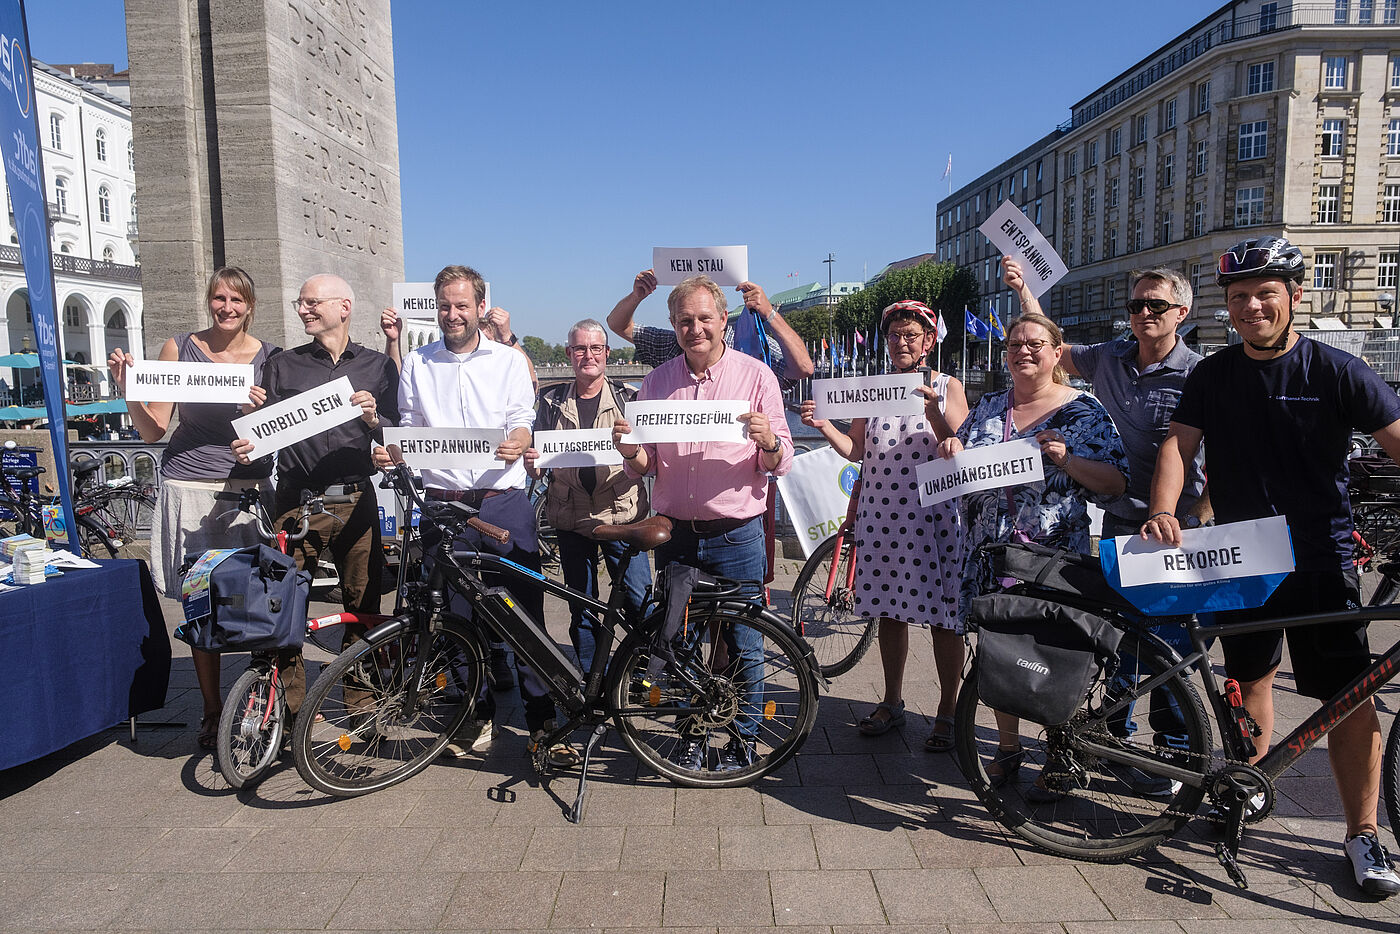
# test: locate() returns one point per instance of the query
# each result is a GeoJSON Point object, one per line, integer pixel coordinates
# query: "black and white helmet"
{"type": "Point", "coordinates": [1260, 257]}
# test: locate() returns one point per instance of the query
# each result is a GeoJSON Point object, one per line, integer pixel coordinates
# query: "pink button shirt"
{"type": "Point", "coordinates": [716, 480]}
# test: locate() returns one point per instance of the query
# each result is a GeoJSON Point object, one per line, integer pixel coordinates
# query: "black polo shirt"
{"type": "Point", "coordinates": [341, 455]}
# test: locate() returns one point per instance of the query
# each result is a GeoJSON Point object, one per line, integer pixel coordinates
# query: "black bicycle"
{"type": "Point", "coordinates": [385, 708]}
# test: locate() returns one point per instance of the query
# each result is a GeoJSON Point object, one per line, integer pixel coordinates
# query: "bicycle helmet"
{"type": "Point", "coordinates": [919, 310]}
{"type": "Point", "coordinates": [1260, 257]}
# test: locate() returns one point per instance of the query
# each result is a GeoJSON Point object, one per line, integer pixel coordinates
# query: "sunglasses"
{"type": "Point", "coordinates": [1153, 306]}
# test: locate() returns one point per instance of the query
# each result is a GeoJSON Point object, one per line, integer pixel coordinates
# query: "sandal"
{"type": "Point", "coordinates": [209, 730]}
{"type": "Point", "coordinates": [940, 741]}
{"type": "Point", "coordinates": [1006, 763]}
{"type": "Point", "coordinates": [873, 725]}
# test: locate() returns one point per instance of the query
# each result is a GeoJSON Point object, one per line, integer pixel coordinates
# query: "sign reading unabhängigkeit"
{"type": "Point", "coordinates": [1236, 549]}
{"type": "Point", "coordinates": [981, 468]}
{"type": "Point", "coordinates": [726, 265]}
{"type": "Point", "coordinates": [448, 448]}
{"type": "Point", "coordinates": [683, 420]}
{"type": "Point", "coordinates": [588, 447]}
{"type": "Point", "coordinates": [864, 396]}
{"type": "Point", "coordinates": [188, 381]}
{"type": "Point", "coordinates": [303, 416]}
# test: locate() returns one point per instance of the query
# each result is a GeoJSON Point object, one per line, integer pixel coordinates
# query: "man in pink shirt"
{"type": "Point", "coordinates": [715, 493]}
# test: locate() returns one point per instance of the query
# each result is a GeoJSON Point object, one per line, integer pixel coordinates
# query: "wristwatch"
{"type": "Point", "coordinates": [513, 339]}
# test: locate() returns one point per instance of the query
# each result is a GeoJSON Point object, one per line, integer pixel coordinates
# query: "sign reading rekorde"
{"type": "Point", "coordinates": [448, 448]}
{"type": "Point", "coordinates": [419, 300]}
{"type": "Point", "coordinates": [303, 416]}
{"type": "Point", "coordinates": [981, 468]}
{"type": "Point", "coordinates": [864, 396]}
{"type": "Point", "coordinates": [1014, 235]}
{"type": "Point", "coordinates": [1236, 549]}
{"type": "Point", "coordinates": [177, 381]}
{"type": "Point", "coordinates": [588, 447]}
{"type": "Point", "coordinates": [678, 420]}
{"type": "Point", "coordinates": [727, 265]}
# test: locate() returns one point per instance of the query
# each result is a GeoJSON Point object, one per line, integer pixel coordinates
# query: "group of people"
{"type": "Point", "coordinates": [1273, 414]}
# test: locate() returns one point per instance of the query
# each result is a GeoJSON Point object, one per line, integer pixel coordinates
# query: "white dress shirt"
{"type": "Point", "coordinates": [487, 388]}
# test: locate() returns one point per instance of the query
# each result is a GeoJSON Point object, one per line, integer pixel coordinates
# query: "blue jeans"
{"type": "Point", "coordinates": [578, 557]}
{"type": "Point", "coordinates": [740, 555]}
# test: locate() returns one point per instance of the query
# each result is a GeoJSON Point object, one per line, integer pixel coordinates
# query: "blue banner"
{"type": "Point", "coordinates": [24, 171]}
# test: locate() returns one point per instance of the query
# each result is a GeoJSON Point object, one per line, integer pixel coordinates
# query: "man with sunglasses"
{"type": "Point", "coordinates": [1276, 413]}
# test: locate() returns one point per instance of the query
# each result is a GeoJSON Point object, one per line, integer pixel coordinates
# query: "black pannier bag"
{"type": "Point", "coordinates": [258, 602]}
{"type": "Point", "coordinates": [1035, 657]}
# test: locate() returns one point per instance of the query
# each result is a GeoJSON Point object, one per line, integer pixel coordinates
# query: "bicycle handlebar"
{"type": "Point", "coordinates": [401, 478]}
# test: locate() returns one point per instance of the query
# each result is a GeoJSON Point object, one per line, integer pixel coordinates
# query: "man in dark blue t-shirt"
{"type": "Point", "coordinates": [1276, 414]}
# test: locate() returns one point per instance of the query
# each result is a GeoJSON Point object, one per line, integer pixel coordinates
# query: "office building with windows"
{"type": "Point", "coordinates": [1262, 118]}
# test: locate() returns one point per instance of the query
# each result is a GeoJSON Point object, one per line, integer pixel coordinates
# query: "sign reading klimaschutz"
{"type": "Point", "coordinates": [24, 172]}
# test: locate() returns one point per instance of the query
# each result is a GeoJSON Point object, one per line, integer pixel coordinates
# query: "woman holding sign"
{"type": "Point", "coordinates": [909, 555]}
{"type": "Point", "coordinates": [200, 480]}
{"type": "Point", "coordinates": [1083, 459]}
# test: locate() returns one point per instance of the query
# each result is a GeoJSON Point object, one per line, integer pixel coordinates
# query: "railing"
{"type": "Point", "coordinates": [77, 265]}
{"type": "Point", "coordinates": [1379, 347]}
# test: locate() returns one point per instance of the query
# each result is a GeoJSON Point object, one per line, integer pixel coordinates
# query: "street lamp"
{"type": "Point", "coordinates": [1223, 317]}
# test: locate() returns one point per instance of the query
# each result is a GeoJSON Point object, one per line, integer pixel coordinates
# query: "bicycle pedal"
{"type": "Point", "coordinates": [1231, 865]}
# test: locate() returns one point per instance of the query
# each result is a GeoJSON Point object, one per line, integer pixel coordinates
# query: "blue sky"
{"type": "Point", "coordinates": [552, 145]}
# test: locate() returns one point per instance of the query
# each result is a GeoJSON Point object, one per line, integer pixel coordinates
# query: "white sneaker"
{"type": "Point", "coordinates": [471, 735]}
{"type": "Point", "coordinates": [1371, 864]}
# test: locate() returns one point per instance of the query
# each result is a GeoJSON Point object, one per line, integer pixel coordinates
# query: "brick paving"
{"type": "Point", "coordinates": [856, 835]}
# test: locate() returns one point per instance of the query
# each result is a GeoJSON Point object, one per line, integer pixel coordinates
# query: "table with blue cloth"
{"type": "Point", "coordinates": [81, 653]}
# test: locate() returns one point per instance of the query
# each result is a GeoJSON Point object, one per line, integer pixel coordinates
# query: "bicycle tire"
{"type": "Point", "coordinates": [1390, 775]}
{"type": "Point", "coordinates": [650, 715]}
{"type": "Point", "coordinates": [347, 748]}
{"type": "Point", "coordinates": [1099, 818]}
{"type": "Point", "coordinates": [124, 517]}
{"type": "Point", "coordinates": [839, 636]}
{"type": "Point", "coordinates": [250, 727]}
{"type": "Point", "coordinates": [93, 542]}
{"type": "Point", "coordinates": [1385, 593]}
{"type": "Point", "coordinates": [550, 563]}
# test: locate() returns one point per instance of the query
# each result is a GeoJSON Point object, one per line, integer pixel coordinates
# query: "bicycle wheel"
{"type": "Point", "coordinates": [125, 516]}
{"type": "Point", "coordinates": [353, 734]}
{"type": "Point", "coordinates": [1390, 776]}
{"type": "Point", "coordinates": [549, 543]}
{"type": "Point", "coordinates": [1098, 816]}
{"type": "Point", "coordinates": [709, 697]}
{"type": "Point", "coordinates": [250, 728]}
{"type": "Point", "coordinates": [93, 541]}
{"type": "Point", "coordinates": [837, 634]}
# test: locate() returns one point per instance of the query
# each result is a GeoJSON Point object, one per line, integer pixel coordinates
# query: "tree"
{"type": "Point", "coordinates": [536, 349]}
{"type": "Point", "coordinates": [943, 287]}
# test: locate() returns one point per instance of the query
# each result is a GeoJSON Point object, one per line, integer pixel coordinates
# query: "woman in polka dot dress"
{"type": "Point", "coordinates": [910, 556]}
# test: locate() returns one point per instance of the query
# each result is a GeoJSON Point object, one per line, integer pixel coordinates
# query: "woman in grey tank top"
{"type": "Point", "coordinates": [200, 480]}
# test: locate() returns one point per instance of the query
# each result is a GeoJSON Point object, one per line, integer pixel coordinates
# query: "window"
{"type": "Point", "coordinates": [1392, 138]}
{"type": "Point", "coordinates": [1113, 192]}
{"type": "Point", "coordinates": [1196, 277]}
{"type": "Point", "coordinates": [1390, 206]}
{"type": "Point", "coordinates": [1141, 129]}
{"type": "Point", "coordinates": [957, 245]}
{"type": "Point", "coordinates": [1025, 179]}
{"type": "Point", "coordinates": [133, 207]}
{"type": "Point", "coordinates": [977, 204]}
{"type": "Point", "coordinates": [1198, 219]}
{"type": "Point", "coordinates": [1000, 189]}
{"type": "Point", "coordinates": [1261, 78]}
{"type": "Point", "coordinates": [60, 195]}
{"type": "Point", "coordinates": [1072, 165]}
{"type": "Point", "coordinates": [1202, 97]}
{"type": "Point", "coordinates": [1069, 253]}
{"type": "Point", "coordinates": [1069, 209]}
{"type": "Point", "coordinates": [1202, 156]}
{"type": "Point", "coordinates": [1110, 243]}
{"type": "Point", "coordinates": [1395, 74]}
{"type": "Point", "coordinates": [101, 145]}
{"type": "Point", "coordinates": [1039, 166]}
{"type": "Point", "coordinates": [1268, 17]}
{"type": "Point", "coordinates": [1335, 76]}
{"type": "Point", "coordinates": [1339, 12]}
{"type": "Point", "coordinates": [55, 131]}
{"type": "Point", "coordinates": [1169, 114]}
{"type": "Point", "coordinates": [1139, 180]}
{"type": "Point", "coordinates": [958, 213]}
{"type": "Point", "coordinates": [1013, 186]}
{"type": "Point", "coordinates": [1365, 11]}
{"type": "Point", "coordinates": [1388, 11]}
{"type": "Point", "coordinates": [1037, 212]}
{"type": "Point", "coordinates": [1385, 270]}
{"type": "Point", "coordinates": [1327, 197]}
{"type": "Point", "coordinates": [1137, 236]}
{"type": "Point", "coordinates": [1332, 137]}
{"type": "Point", "coordinates": [1115, 137]}
{"type": "Point", "coordinates": [104, 205]}
{"type": "Point", "coordinates": [108, 254]}
{"type": "Point", "coordinates": [940, 225]}
{"type": "Point", "coordinates": [72, 316]}
{"type": "Point", "coordinates": [130, 156]}
{"type": "Point", "coordinates": [1111, 300]}
{"type": "Point", "coordinates": [1249, 206]}
{"type": "Point", "coordinates": [1168, 170]}
{"type": "Point", "coordinates": [1089, 249]}
{"type": "Point", "coordinates": [1091, 154]}
{"type": "Point", "coordinates": [1166, 228]}
{"type": "Point", "coordinates": [1325, 270]}
{"type": "Point", "coordinates": [1090, 200]}
{"type": "Point", "coordinates": [1254, 139]}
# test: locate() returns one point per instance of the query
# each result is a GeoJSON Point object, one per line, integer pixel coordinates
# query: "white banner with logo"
{"type": "Point", "coordinates": [726, 265]}
{"type": "Point", "coordinates": [660, 421]}
{"type": "Point", "coordinates": [303, 416]}
{"type": "Point", "coordinates": [1014, 235]}
{"type": "Point", "coordinates": [1236, 549]}
{"type": "Point", "coordinates": [448, 448]}
{"type": "Point", "coordinates": [181, 381]}
{"type": "Point", "coordinates": [981, 468]}
{"type": "Point", "coordinates": [587, 447]}
{"type": "Point", "coordinates": [863, 396]}
{"type": "Point", "coordinates": [816, 494]}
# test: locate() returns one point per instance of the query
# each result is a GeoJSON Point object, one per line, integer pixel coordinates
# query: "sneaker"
{"type": "Point", "coordinates": [561, 755]}
{"type": "Point", "coordinates": [1153, 786]}
{"type": "Point", "coordinates": [690, 754]}
{"type": "Point", "coordinates": [501, 675]}
{"type": "Point", "coordinates": [1371, 864]}
{"type": "Point", "coordinates": [737, 754]}
{"type": "Point", "coordinates": [472, 735]}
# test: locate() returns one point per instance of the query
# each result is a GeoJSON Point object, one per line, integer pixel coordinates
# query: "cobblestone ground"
{"type": "Point", "coordinates": [858, 834]}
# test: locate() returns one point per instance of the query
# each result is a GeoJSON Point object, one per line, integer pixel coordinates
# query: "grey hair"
{"type": "Point", "coordinates": [1180, 285]}
{"type": "Point", "coordinates": [588, 324]}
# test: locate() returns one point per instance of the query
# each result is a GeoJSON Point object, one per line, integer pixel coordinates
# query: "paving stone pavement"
{"type": "Point", "coordinates": [856, 835]}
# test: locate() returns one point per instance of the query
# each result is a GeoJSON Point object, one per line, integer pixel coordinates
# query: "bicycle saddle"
{"type": "Point", "coordinates": [644, 535]}
{"type": "Point", "coordinates": [81, 468]}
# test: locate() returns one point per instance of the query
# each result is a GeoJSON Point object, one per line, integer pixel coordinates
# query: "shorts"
{"type": "Point", "coordinates": [1325, 657]}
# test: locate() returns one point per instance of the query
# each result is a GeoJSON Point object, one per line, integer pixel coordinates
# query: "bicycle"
{"type": "Point", "coordinates": [387, 706]}
{"type": "Point", "coordinates": [823, 601]}
{"type": "Point", "coordinates": [1084, 805]}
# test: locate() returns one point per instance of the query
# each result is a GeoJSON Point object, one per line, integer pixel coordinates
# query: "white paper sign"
{"type": "Point", "coordinates": [587, 447]}
{"type": "Point", "coordinates": [816, 494]}
{"type": "Point", "coordinates": [419, 299]}
{"type": "Point", "coordinates": [864, 396]}
{"type": "Point", "coordinates": [727, 265]}
{"type": "Point", "coordinates": [1236, 549]}
{"type": "Point", "coordinates": [988, 467]}
{"type": "Point", "coordinates": [1014, 235]}
{"type": "Point", "coordinates": [448, 448]}
{"type": "Point", "coordinates": [676, 420]}
{"type": "Point", "coordinates": [303, 416]}
{"type": "Point", "coordinates": [180, 381]}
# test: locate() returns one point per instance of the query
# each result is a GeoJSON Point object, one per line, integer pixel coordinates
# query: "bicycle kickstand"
{"type": "Point", "coordinates": [576, 812]}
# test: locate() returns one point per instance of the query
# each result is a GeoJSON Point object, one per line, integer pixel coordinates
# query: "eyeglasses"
{"type": "Point", "coordinates": [912, 337]}
{"type": "Point", "coordinates": [593, 350]}
{"type": "Point", "coordinates": [1034, 347]}
{"type": "Point", "coordinates": [312, 303]}
{"type": "Point", "coordinates": [1153, 306]}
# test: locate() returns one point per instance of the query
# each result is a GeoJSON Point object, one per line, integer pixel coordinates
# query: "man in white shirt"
{"type": "Point", "coordinates": [466, 380]}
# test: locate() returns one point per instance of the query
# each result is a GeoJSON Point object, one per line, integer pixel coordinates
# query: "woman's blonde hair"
{"type": "Point", "coordinates": [1057, 339]}
{"type": "Point", "coordinates": [238, 280]}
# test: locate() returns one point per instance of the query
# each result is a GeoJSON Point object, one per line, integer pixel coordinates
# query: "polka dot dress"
{"type": "Point", "coordinates": [910, 556]}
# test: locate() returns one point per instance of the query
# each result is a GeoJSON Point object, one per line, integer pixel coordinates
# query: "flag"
{"type": "Point", "coordinates": [860, 338]}
{"type": "Point", "coordinates": [949, 169]}
{"type": "Point", "coordinates": [942, 331]}
{"type": "Point", "coordinates": [975, 327]}
{"type": "Point", "coordinates": [994, 324]}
